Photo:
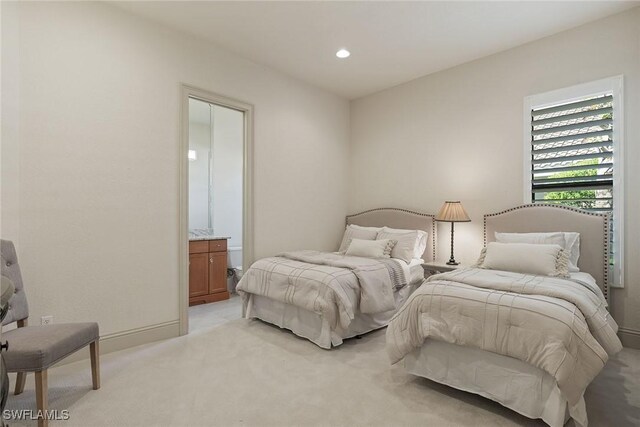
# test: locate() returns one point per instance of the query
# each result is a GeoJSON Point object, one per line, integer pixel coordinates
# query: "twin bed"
{"type": "Point", "coordinates": [273, 289]}
{"type": "Point", "coordinates": [528, 328]}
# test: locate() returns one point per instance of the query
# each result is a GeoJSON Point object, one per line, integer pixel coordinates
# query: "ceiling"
{"type": "Point", "coordinates": [391, 42]}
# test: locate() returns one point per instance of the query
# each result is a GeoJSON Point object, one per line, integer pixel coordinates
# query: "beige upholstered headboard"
{"type": "Point", "coordinates": [399, 218]}
{"type": "Point", "coordinates": [593, 228]}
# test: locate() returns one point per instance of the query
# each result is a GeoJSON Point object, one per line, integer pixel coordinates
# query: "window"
{"type": "Point", "coordinates": [573, 152]}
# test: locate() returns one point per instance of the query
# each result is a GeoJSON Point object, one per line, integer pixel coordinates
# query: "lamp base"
{"type": "Point", "coordinates": [452, 260]}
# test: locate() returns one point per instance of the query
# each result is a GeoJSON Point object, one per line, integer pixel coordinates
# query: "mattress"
{"type": "Point", "coordinates": [315, 328]}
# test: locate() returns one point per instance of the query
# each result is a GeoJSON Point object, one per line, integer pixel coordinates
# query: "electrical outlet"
{"type": "Point", "coordinates": [46, 320]}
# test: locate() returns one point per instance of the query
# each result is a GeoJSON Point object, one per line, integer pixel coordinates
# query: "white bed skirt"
{"type": "Point", "coordinates": [313, 326]}
{"type": "Point", "coordinates": [508, 381]}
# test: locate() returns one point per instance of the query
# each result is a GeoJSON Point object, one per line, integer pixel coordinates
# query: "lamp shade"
{"type": "Point", "coordinates": [452, 212]}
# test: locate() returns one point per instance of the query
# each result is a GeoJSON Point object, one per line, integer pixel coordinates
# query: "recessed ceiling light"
{"type": "Point", "coordinates": [343, 53]}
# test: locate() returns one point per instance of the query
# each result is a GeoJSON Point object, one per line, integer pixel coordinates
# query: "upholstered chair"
{"type": "Point", "coordinates": [36, 348]}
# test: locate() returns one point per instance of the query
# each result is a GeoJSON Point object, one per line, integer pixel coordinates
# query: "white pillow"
{"type": "Point", "coordinates": [357, 232]}
{"type": "Point", "coordinates": [371, 248]}
{"type": "Point", "coordinates": [556, 238]}
{"type": "Point", "coordinates": [529, 258]}
{"type": "Point", "coordinates": [572, 246]}
{"type": "Point", "coordinates": [409, 242]}
{"type": "Point", "coordinates": [421, 244]}
{"type": "Point", "coordinates": [569, 241]}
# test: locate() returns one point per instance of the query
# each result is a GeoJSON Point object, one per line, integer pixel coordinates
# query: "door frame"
{"type": "Point", "coordinates": [187, 92]}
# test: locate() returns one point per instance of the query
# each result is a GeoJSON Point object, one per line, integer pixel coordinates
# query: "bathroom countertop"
{"type": "Point", "coordinates": [205, 234]}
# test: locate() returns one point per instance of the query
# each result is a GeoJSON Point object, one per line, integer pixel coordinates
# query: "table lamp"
{"type": "Point", "coordinates": [452, 212]}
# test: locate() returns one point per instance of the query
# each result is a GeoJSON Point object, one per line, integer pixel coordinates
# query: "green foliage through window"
{"type": "Point", "coordinates": [570, 196]}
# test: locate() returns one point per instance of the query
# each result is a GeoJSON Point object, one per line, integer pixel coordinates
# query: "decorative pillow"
{"type": "Point", "coordinates": [409, 242]}
{"type": "Point", "coordinates": [371, 248]}
{"type": "Point", "coordinates": [357, 232]}
{"type": "Point", "coordinates": [528, 258]}
{"type": "Point", "coordinates": [569, 241]}
{"type": "Point", "coordinates": [387, 250]}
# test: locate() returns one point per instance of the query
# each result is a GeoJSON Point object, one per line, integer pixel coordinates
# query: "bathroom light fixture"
{"type": "Point", "coordinates": [343, 53]}
{"type": "Point", "coordinates": [192, 155]}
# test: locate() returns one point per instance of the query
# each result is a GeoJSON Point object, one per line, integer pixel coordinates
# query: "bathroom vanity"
{"type": "Point", "coordinates": [207, 269]}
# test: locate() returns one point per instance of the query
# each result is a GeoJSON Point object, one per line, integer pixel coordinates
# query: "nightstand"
{"type": "Point", "coordinates": [435, 267]}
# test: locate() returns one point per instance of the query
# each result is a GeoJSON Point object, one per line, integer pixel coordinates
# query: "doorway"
{"type": "Point", "coordinates": [216, 199]}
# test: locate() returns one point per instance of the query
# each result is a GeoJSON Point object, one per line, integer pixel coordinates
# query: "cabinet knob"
{"type": "Point", "coordinates": [211, 260]}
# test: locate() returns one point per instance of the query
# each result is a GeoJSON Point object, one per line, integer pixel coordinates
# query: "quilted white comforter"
{"type": "Point", "coordinates": [560, 326]}
{"type": "Point", "coordinates": [326, 283]}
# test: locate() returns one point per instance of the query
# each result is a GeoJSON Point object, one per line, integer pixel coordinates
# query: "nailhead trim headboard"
{"type": "Point", "coordinates": [399, 218]}
{"type": "Point", "coordinates": [592, 226]}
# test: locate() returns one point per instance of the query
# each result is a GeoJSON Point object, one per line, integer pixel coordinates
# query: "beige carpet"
{"type": "Point", "coordinates": [247, 373]}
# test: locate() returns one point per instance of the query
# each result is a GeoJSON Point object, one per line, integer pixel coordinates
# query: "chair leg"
{"type": "Point", "coordinates": [42, 397]}
{"type": "Point", "coordinates": [94, 349]}
{"type": "Point", "coordinates": [21, 378]}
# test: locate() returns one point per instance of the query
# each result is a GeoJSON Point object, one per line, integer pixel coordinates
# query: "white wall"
{"type": "Point", "coordinates": [98, 115]}
{"type": "Point", "coordinates": [457, 135]}
{"type": "Point", "coordinates": [9, 124]}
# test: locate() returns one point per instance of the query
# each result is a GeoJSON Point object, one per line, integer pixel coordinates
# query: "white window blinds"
{"type": "Point", "coordinates": [574, 151]}
{"type": "Point", "coordinates": [572, 154]}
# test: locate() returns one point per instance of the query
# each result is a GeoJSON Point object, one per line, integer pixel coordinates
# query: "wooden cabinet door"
{"type": "Point", "coordinates": [198, 274]}
{"type": "Point", "coordinates": [217, 272]}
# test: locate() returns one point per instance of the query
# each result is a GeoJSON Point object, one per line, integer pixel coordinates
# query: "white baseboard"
{"type": "Point", "coordinates": [131, 338]}
{"type": "Point", "coordinates": [629, 337]}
